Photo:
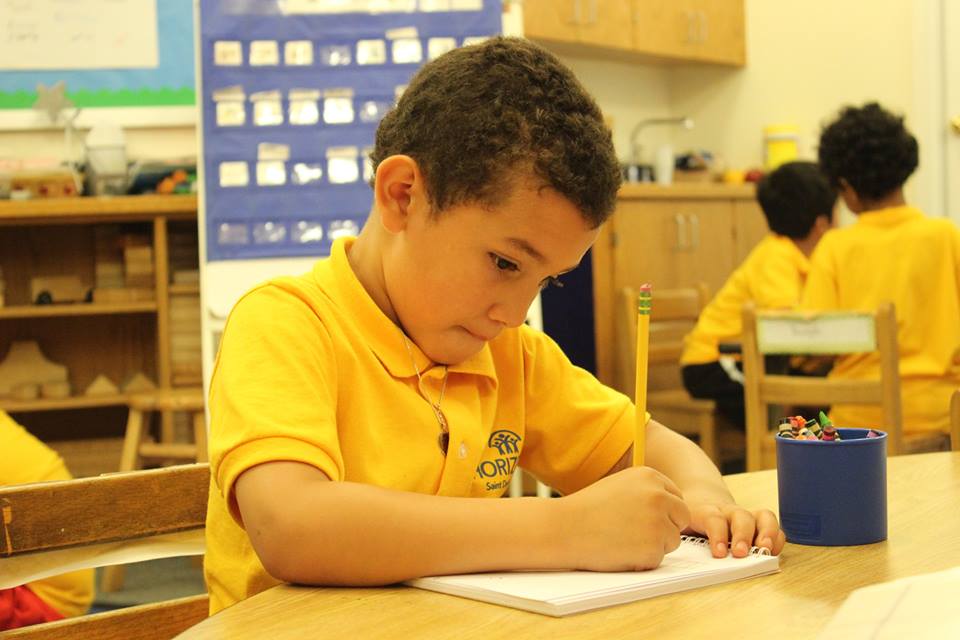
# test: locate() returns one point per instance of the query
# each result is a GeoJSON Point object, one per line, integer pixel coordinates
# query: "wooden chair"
{"type": "Point", "coordinates": [827, 333]}
{"type": "Point", "coordinates": [50, 523]}
{"type": "Point", "coordinates": [140, 448]}
{"type": "Point", "coordinates": [955, 421]}
{"type": "Point", "coordinates": [674, 314]}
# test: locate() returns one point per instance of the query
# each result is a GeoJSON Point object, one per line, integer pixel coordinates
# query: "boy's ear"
{"type": "Point", "coordinates": [399, 191]}
{"type": "Point", "coordinates": [850, 196]}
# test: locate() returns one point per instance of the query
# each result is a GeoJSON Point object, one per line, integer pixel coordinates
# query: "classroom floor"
{"type": "Point", "coordinates": [152, 581]}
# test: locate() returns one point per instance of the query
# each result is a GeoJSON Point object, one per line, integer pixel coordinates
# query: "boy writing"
{"type": "Point", "coordinates": [359, 411]}
{"type": "Point", "coordinates": [798, 203]}
{"type": "Point", "coordinates": [892, 253]}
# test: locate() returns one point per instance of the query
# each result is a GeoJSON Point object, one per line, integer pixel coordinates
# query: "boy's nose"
{"type": "Point", "coordinates": [511, 313]}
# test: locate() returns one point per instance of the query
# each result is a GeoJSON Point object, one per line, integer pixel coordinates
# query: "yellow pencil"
{"type": "Point", "coordinates": [643, 346]}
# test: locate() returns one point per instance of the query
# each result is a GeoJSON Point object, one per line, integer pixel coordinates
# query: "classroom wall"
{"type": "Point", "coordinates": [805, 60]}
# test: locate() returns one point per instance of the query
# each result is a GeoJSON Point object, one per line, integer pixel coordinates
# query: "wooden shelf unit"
{"type": "Point", "coordinates": [56, 236]}
{"type": "Point", "coordinates": [79, 309]}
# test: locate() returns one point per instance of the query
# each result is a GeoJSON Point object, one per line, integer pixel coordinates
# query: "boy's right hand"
{"type": "Point", "coordinates": [625, 522]}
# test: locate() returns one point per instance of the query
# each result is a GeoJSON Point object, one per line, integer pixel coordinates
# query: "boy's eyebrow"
{"type": "Point", "coordinates": [529, 249]}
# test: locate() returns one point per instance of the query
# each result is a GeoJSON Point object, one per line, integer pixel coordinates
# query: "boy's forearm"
{"type": "Point", "coordinates": [343, 533]}
{"type": "Point", "coordinates": [686, 464]}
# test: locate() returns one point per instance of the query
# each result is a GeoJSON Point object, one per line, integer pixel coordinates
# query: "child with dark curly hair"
{"type": "Point", "coordinates": [360, 413]}
{"type": "Point", "coordinates": [892, 253]}
{"type": "Point", "coordinates": [798, 204]}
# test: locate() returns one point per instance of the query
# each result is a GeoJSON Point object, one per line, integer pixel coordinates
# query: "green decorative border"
{"type": "Point", "coordinates": [105, 98]}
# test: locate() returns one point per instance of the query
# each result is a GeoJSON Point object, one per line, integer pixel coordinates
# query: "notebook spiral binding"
{"type": "Point", "coordinates": [703, 542]}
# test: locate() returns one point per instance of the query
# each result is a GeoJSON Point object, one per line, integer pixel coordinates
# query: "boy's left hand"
{"type": "Point", "coordinates": [725, 523]}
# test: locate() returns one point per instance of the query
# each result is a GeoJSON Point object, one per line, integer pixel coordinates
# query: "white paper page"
{"type": "Point", "coordinates": [26, 568]}
{"type": "Point", "coordinates": [688, 563]}
{"type": "Point", "coordinates": [920, 608]}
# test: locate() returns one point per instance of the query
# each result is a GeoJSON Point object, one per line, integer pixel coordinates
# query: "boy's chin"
{"type": "Point", "coordinates": [454, 354]}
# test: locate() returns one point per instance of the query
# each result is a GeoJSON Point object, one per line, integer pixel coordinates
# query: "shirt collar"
{"type": "Point", "coordinates": [384, 338]}
{"type": "Point", "coordinates": [800, 259]}
{"type": "Point", "coordinates": [889, 217]}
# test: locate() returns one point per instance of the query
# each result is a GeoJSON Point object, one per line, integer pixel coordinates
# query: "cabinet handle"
{"type": "Point", "coordinates": [694, 231]}
{"type": "Point", "coordinates": [691, 26]}
{"type": "Point", "coordinates": [681, 221]}
{"type": "Point", "coordinates": [704, 30]}
{"type": "Point", "coordinates": [592, 18]}
{"type": "Point", "coordinates": [577, 13]}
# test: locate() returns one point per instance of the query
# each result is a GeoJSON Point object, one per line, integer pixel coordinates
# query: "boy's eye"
{"type": "Point", "coordinates": [503, 264]}
{"type": "Point", "coordinates": [551, 281]}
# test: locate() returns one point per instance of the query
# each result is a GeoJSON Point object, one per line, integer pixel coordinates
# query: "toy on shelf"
{"type": "Point", "coordinates": [26, 370]}
{"type": "Point", "coordinates": [58, 289]}
{"type": "Point", "coordinates": [101, 386]}
{"type": "Point", "coordinates": [138, 382]}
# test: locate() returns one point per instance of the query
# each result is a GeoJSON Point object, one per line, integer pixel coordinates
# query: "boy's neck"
{"type": "Point", "coordinates": [893, 199]}
{"type": "Point", "coordinates": [806, 245]}
{"type": "Point", "coordinates": [369, 270]}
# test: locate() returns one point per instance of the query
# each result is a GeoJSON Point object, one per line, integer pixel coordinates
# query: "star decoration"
{"type": "Point", "coordinates": [53, 100]}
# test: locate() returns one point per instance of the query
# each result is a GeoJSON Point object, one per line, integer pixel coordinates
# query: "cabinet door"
{"type": "Point", "coordinates": [670, 244]}
{"type": "Point", "coordinates": [665, 28]}
{"type": "Point", "coordinates": [749, 227]}
{"type": "Point", "coordinates": [720, 31]}
{"type": "Point", "coordinates": [555, 20]}
{"type": "Point", "coordinates": [606, 23]}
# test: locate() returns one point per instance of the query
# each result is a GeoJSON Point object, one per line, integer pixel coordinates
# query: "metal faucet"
{"type": "Point", "coordinates": [685, 121]}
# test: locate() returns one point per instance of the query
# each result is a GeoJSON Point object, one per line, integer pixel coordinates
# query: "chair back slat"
{"type": "Point", "coordinates": [157, 621]}
{"type": "Point", "coordinates": [834, 333]}
{"type": "Point", "coordinates": [824, 333]}
{"type": "Point", "coordinates": [120, 506]}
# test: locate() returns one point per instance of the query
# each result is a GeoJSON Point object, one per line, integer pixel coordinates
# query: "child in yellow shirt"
{"type": "Point", "coordinates": [892, 253]}
{"type": "Point", "coordinates": [26, 459]}
{"type": "Point", "coordinates": [359, 412]}
{"type": "Point", "coordinates": [798, 203]}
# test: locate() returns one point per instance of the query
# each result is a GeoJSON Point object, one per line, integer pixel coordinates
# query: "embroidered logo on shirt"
{"type": "Point", "coordinates": [504, 445]}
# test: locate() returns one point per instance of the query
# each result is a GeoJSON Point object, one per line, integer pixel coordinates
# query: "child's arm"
{"type": "Point", "coordinates": [309, 530]}
{"type": "Point", "coordinates": [713, 510]}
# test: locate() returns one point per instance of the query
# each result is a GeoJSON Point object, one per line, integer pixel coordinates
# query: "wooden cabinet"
{"type": "Point", "coordinates": [603, 23]}
{"type": "Point", "coordinates": [710, 31]}
{"type": "Point", "coordinates": [671, 237]}
{"type": "Point", "coordinates": [50, 237]}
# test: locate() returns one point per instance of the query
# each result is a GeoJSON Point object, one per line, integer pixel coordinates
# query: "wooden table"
{"type": "Point", "coordinates": [924, 536]}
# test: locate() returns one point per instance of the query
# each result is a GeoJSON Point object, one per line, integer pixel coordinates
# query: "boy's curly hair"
{"type": "Point", "coordinates": [477, 116]}
{"type": "Point", "coordinates": [870, 148]}
{"type": "Point", "coordinates": [793, 196]}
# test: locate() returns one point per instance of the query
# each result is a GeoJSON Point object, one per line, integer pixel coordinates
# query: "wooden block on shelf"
{"type": "Point", "coordinates": [123, 294]}
{"type": "Point", "coordinates": [101, 386]}
{"type": "Point", "coordinates": [138, 254]}
{"type": "Point", "coordinates": [138, 382]}
{"type": "Point", "coordinates": [25, 391]}
{"type": "Point", "coordinates": [139, 280]}
{"type": "Point", "coordinates": [55, 389]}
{"type": "Point", "coordinates": [191, 276]}
{"type": "Point", "coordinates": [26, 364]}
{"type": "Point", "coordinates": [67, 288]}
{"type": "Point", "coordinates": [133, 240]}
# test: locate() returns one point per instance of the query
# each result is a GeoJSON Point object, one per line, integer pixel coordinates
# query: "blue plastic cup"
{"type": "Point", "coordinates": [833, 493]}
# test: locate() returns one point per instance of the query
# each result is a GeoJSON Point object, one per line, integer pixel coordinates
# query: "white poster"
{"type": "Point", "coordinates": [78, 34]}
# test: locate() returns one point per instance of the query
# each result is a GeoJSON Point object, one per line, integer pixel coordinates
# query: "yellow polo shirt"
{"type": "Point", "coordinates": [311, 370]}
{"type": "Point", "coordinates": [771, 277]}
{"type": "Point", "coordinates": [26, 460]}
{"type": "Point", "coordinates": [901, 256]}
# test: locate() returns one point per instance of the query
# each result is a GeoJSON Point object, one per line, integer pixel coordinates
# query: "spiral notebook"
{"type": "Point", "coordinates": [561, 593]}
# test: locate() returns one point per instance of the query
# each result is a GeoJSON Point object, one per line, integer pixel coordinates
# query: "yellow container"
{"type": "Point", "coordinates": [780, 144]}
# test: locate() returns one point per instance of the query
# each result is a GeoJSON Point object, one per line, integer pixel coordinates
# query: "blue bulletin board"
{"type": "Point", "coordinates": [292, 92]}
